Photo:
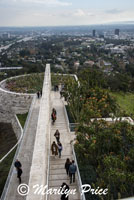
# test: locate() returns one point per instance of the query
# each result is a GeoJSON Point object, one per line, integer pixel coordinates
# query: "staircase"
{"type": "Point", "coordinates": [57, 173]}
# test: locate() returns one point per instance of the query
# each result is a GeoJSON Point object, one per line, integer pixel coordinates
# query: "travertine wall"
{"type": "Point", "coordinates": [12, 103]}
{"type": "Point", "coordinates": [17, 103]}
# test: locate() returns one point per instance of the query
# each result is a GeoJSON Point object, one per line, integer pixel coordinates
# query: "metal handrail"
{"type": "Point", "coordinates": [10, 174]}
{"type": "Point", "coordinates": [78, 172]}
{"type": "Point", "coordinates": [66, 116]}
{"type": "Point", "coordinates": [72, 126]}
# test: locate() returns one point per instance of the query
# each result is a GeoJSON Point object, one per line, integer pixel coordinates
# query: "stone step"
{"type": "Point", "coordinates": [63, 128]}
{"type": "Point", "coordinates": [56, 166]}
{"type": "Point", "coordinates": [58, 183]}
{"type": "Point", "coordinates": [71, 186]}
{"type": "Point", "coordinates": [60, 161]}
{"type": "Point", "coordinates": [67, 154]}
{"type": "Point", "coordinates": [64, 157]}
{"type": "Point", "coordinates": [57, 171]}
{"type": "Point", "coordinates": [71, 196]}
{"type": "Point", "coordinates": [58, 177]}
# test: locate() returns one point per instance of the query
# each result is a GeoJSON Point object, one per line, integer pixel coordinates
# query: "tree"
{"type": "Point", "coordinates": [108, 148]}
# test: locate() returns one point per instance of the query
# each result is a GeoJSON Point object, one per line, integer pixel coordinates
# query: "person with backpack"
{"type": "Point", "coordinates": [59, 148]}
{"type": "Point", "coordinates": [72, 171]}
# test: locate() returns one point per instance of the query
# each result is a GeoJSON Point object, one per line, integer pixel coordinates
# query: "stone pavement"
{"type": "Point", "coordinates": [57, 171]}
{"type": "Point", "coordinates": [25, 154]}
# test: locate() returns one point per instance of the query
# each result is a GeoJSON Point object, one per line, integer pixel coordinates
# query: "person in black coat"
{"type": "Point", "coordinates": [65, 187]}
{"type": "Point", "coordinates": [19, 172]}
{"type": "Point", "coordinates": [38, 94]}
{"type": "Point", "coordinates": [67, 165]}
{"type": "Point", "coordinates": [17, 164]}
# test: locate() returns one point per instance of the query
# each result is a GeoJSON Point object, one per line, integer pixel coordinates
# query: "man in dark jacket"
{"type": "Point", "coordinates": [17, 164]}
{"type": "Point", "coordinates": [65, 188]}
{"type": "Point", "coordinates": [72, 170]}
{"type": "Point", "coordinates": [19, 172]}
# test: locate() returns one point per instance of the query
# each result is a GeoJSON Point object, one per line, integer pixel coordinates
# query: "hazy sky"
{"type": "Point", "coordinates": [64, 12]}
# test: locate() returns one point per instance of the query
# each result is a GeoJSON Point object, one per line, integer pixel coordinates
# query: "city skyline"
{"type": "Point", "coordinates": [64, 12]}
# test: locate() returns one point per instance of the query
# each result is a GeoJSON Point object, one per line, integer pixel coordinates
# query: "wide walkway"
{"type": "Point", "coordinates": [25, 154]}
{"type": "Point", "coordinates": [57, 171]}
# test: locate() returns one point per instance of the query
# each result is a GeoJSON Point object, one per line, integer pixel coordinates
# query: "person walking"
{"type": "Point", "coordinates": [72, 171]}
{"type": "Point", "coordinates": [61, 94]}
{"type": "Point", "coordinates": [59, 148]}
{"type": "Point", "coordinates": [65, 189]}
{"type": "Point", "coordinates": [38, 94]}
{"type": "Point", "coordinates": [41, 93]}
{"type": "Point", "coordinates": [17, 164]}
{"type": "Point", "coordinates": [54, 111]}
{"type": "Point", "coordinates": [57, 135]}
{"type": "Point", "coordinates": [19, 172]}
{"type": "Point", "coordinates": [54, 149]}
{"type": "Point", "coordinates": [53, 116]}
{"type": "Point", "coordinates": [67, 165]}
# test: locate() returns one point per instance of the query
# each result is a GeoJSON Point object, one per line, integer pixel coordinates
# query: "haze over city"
{"type": "Point", "coordinates": [64, 12]}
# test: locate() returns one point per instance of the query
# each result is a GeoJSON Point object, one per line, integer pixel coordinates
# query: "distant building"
{"type": "Point", "coordinates": [89, 63]}
{"type": "Point", "coordinates": [101, 35]}
{"type": "Point", "coordinates": [117, 32]}
{"type": "Point", "coordinates": [94, 33]}
{"type": "Point", "coordinates": [5, 35]}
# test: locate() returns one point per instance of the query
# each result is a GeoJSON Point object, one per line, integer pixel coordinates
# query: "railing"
{"type": "Point", "coordinates": [72, 126]}
{"type": "Point", "coordinates": [66, 116]}
{"type": "Point", "coordinates": [4, 193]}
{"type": "Point", "coordinates": [78, 172]}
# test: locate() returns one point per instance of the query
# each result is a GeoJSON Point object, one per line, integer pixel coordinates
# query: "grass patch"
{"type": "Point", "coordinates": [4, 169]}
{"type": "Point", "coordinates": [125, 101]}
{"type": "Point", "coordinates": [7, 141]}
{"type": "Point", "coordinates": [7, 138]}
{"type": "Point", "coordinates": [22, 118]}
{"type": "Point", "coordinates": [26, 84]}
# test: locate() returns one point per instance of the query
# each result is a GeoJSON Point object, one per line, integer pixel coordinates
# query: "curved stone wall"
{"type": "Point", "coordinates": [12, 102]}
